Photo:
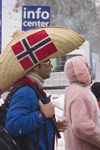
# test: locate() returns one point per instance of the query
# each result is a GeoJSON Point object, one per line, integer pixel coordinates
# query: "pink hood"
{"type": "Point", "coordinates": [76, 70]}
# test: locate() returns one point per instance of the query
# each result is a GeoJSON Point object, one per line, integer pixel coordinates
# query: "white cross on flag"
{"type": "Point", "coordinates": [33, 49]}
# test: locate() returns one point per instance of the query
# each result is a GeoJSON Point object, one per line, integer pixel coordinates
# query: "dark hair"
{"type": "Point", "coordinates": [95, 88]}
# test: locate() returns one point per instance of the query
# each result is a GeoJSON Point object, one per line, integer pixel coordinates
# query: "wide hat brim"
{"type": "Point", "coordinates": [11, 71]}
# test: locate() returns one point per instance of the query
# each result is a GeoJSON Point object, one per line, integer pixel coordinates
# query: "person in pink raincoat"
{"type": "Point", "coordinates": [80, 107]}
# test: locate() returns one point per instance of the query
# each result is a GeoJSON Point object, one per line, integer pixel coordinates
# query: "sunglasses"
{"type": "Point", "coordinates": [48, 63]}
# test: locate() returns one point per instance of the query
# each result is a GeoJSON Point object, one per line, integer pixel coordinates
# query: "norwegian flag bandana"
{"type": "Point", "coordinates": [33, 49]}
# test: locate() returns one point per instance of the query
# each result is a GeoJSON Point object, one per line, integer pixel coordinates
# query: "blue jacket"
{"type": "Point", "coordinates": [24, 117]}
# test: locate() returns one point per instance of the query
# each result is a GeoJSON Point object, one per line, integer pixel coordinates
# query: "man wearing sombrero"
{"type": "Point", "coordinates": [27, 59]}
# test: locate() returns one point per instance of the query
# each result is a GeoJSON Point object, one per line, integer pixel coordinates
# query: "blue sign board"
{"type": "Point", "coordinates": [0, 23]}
{"type": "Point", "coordinates": [35, 16]}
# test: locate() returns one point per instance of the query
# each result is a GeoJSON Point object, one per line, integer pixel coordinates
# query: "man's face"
{"type": "Point", "coordinates": [89, 69]}
{"type": "Point", "coordinates": [44, 69]}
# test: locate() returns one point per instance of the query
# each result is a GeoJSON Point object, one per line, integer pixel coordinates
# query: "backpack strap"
{"type": "Point", "coordinates": [51, 119]}
{"type": "Point", "coordinates": [22, 84]}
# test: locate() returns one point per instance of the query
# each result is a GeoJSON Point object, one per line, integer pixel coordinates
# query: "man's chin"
{"type": "Point", "coordinates": [47, 77]}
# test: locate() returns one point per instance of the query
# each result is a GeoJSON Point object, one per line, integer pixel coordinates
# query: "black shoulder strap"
{"type": "Point", "coordinates": [50, 119]}
{"type": "Point", "coordinates": [22, 84]}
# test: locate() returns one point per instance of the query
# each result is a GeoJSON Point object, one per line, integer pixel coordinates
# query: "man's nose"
{"type": "Point", "coordinates": [51, 66]}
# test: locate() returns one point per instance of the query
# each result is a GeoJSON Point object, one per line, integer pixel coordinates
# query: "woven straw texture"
{"type": "Point", "coordinates": [11, 70]}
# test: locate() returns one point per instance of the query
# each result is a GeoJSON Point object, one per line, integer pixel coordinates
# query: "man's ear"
{"type": "Point", "coordinates": [35, 68]}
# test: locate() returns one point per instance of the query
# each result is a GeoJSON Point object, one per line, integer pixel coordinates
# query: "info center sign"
{"type": "Point", "coordinates": [35, 16]}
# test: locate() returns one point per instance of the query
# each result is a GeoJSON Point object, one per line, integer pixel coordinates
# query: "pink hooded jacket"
{"type": "Point", "coordinates": [83, 132]}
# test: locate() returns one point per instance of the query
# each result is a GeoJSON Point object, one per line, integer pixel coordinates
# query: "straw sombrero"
{"type": "Point", "coordinates": [27, 49]}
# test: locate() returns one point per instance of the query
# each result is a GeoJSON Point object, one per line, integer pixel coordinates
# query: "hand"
{"type": "Point", "coordinates": [62, 125]}
{"type": "Point", "coordinates": [48, 109]}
